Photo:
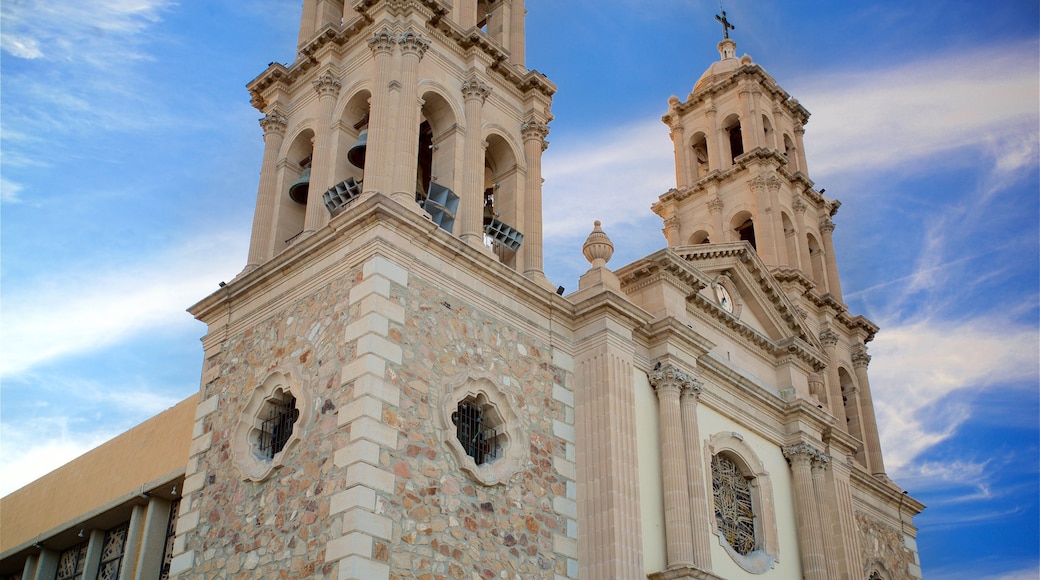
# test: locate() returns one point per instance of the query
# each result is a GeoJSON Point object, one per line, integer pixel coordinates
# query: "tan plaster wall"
{"type": "Point", "coordinates": [789, 564]}
{"type": "Point", "coordinates": [651, 493]}
{"type": "Point", "coordinates": [154, 449]}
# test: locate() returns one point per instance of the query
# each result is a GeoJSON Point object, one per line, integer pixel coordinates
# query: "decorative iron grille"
{"type": "Point", "coordinates": [478, 437]}
{"type": "Point", "coordinates": [112, 552]}
{"type": "Point", "coordinates": [171, 535]}
{"type": "Point", "coordinates": [278, 426]}
{"type": "Point", "coordinates": [733, 510]}
{"type": "Point", "coordinates": [70, 564]}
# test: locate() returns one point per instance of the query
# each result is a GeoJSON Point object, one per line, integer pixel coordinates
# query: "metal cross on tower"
{"type": "Point", "coordinates": [726, 26]}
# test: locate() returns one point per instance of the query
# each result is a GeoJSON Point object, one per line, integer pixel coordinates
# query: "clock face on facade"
{"type": "Point", "coordinates": [724, 298]}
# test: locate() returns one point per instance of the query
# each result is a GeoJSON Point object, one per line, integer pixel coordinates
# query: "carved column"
{"type": "Point", "coordinates": [406, 141]}
{"type": "Point", "coordinates": [671, 231]}
{"type": "Point", "coordinates": [747, 120]}
{"type": "Point", "coordinates": [682, 175]}
{"type": "Point", "coordinates": [715, 207]}
{"type": "Point", "coordinates": [826, 504]}
{"type": "Point", "coordinates": [466, 13]}
{"type": "Point", "coordinates": [721, 140]}
{"type": "Point", "coordinates": [379, 152]}
{"type": "Point", "coordinates": [261, 243]}
{"type": "Point", "coordinates": [474, 92]}
{"type": "Point", "coordinates": [799, 134]}
{"type": "Point", "coordinates": [763, 221]}
{"type": "Point", "coordinates": [517, 39]}
{"type": "Point", "coordinates": [810, 539]}
{"type": "Point", "coordinates": [800, 241]}
{"type": "Point", "coordinates": [871, 440]}
{"type": "Point", "coordinates": [323, 166]}
{"type": "Point", "coordinates": [668, 382]}
{"type": "Point", "coordinates": [829, 338]}
{"type": "Point", "coordinates": [695, 476]}
{"type": "Point", "coordinates": [833, 282]}
{"type": "Point", "coordinates": [534, 133]}
{"type": "Point", "coordinates": [776, 220]}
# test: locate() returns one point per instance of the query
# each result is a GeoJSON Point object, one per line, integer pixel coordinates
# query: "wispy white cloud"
{"type": "Point", "coordinates": [917, 366]}
{"type": "Point", "coordinates": [10, 192]}
{"type": "Point", "coordinates": [93, 308]}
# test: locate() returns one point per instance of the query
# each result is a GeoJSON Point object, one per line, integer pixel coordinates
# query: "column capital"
{"type": "Point", "coordinates": [382, 42]}
{"type": "Point", "coordinates": [715, 205]}
{"type": "Point", "coordinates": [327, 85]}
{"type": "Point", "coordinates": [860, 358]}
{"type": "Point", "coordinates": [803, 454]}
{"type": "Point", "coordinates": [273, 123]}
{"type": "Point", "coordinates": [475, 89]}
{"type": "Point", "coordinates": [412, 43]}
{"type": "Point", "coordinates": [798, 205]}
{"type": "Point", "coordinates": [667, 377]}
{"type": "Point", "coordinates": [829, 338]}
{"type": "Point", "coordinates": [533, 129]}
{"type": "Point", "coordinates": [826, 225]}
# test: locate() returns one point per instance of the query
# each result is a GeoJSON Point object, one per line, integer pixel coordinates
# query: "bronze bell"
{"type": "Point", "coordinates": [356, 154]}
{"type": "Point", "coordinates": [298, 190]}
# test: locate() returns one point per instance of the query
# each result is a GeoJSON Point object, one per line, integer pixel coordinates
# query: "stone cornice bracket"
{"type": "Point", "coordinates": [803, 453]}
{"type": "Point", "coordinates": [474, 88]}
{"type": "Point", "coordinates": [382, 41]}
{"type": "Point", "coordinates": [860, 358]}
{"type": "Point", "coordinates": [667, 376]}
{"type": "Point", "coordinates": [412, 43]}
{"type": "Point", "coordinates": [826, 225]}
{"type": "Point", "coordinates": [327, 84]}
{"type": "Point", "coordinates": [534, 129]}
{"type": "Point", "coordinates": [273, 123]}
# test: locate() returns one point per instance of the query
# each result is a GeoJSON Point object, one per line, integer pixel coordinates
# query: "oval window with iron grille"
{"type": "Point", "coordinates": [482, 428]}
{"type": "Point", "coordinates": [271, 423]}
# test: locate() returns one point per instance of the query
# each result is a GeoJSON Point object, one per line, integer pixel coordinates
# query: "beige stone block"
{"type": "Point", "coordinates": [198, 429]}
{"type": "Point", "coordinates": [563, 395]}
{"type": "Point", "coordinates": [375, 431]}
{"type": "Point", "coordinates": [356, 497]}
{"type": "Point", "coordinates": [193, 483]}
{"type": "Point", "coordinates": [358, 568]}
{"type": "Point", "coordinates": [563, 431]}
{"type": "Point", "coordinates": [211, 374]}
{"type": "Point", "coordinates": [372, 323]}
{"type": "Point", "coordinates": [370, 476]}
{"type": "Point", "coordinates": [359, 520]}
{"type": "Point", "coordinates": [565, 468]}
{"type": "Point", "coordinates": [381, 266]}
{"type": "Point", "coordinates": [365, 365]}
{"type": "Point", "coordinates": [371, 344]}
{"type": "Point", "coordinates": [565, 507]}
{"type": "Point", "coordinates": [191, 467]}
{"type": "Point", "coordinates": [201, 444]}
{"type": "Point", "coordinates": [356, 452]}
{"type": "Point", "coordinates": [182, 563]}
{"type": "Point", "coordinates": [376, 386]}
{"type": "Point", "coordinates": [379, 286]}
{"type": "Point", "coordinates": [361, 407]}
{"type": "Point", "coordinates": [178, 544]}
{"type": "Point", "coordinates": [389, 309]}
{"type": "Point", "coordinates": [354, 544]}
{"type": "Point", "coordinates": [563, 360]}
{"type": "Point", "coordinates": [187, 522]}
{"type": "Point", "coordinates": [206, 407]}
{"type": "Point", "coordinates": [566, 546]}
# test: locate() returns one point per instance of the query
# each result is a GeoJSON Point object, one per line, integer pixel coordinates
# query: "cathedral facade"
{"type": "Point", "coordinates": [392, 389]}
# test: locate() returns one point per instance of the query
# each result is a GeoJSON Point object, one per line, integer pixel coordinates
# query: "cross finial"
{"type": "Point", "coordinates": [726, 26]}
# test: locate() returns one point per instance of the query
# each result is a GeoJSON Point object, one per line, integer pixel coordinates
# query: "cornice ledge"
{"type": "Point", "coordinates": [607, 301]}
{"type": "Point", "coordinates": [665, 265]}
{"type": "Point", "coordinates": [785, 275]}
{"type": "Point", "coordinates": [707, 363]}
{"type": "Point", "coordinates": [859, 322]}
{"type": "Point", "coordinates": [670, 329]}
{"type": "Point", "coordinates": [760, 154]}
{"type": "Point", "coordinates": [683, 573]}
{"type": "Point", "coordinates": [888, 490]}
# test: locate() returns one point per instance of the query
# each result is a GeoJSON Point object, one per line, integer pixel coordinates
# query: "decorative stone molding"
{"type": "Point", "coordinates": [273, 123]}
{"type": "Point", "coordinates": [382, 42]}
{"type": "Point", "coordinates": [534, 129]}
{"type": "Point", "coordinates": [245, 441]}
{"type": "Point", "coordinates": [598, 249]}
{"type": "Point", "coordinates": [882, 547]}
{"type": "Point", "coordinates": [803, 452]}
{"type": "Point", "coordinates": [667, 376]}
{"type": "Point", "coordinates": [715, 205]}
{"type": "Point", "coordinates": [474, 88]}
{"type": "Point", "coordinates": [829, 338]}
{"type": "Point", "coordinates": [327, 84]}
{"type": "Point", "coordinates": [799, 206]}
{"type": "Point", "coordinates": [766, 554]}
{"type": "Point", "coordinates": [826, 225]}
{"type": "Point", "coordinates": [860, 358]}
{"type": "Point", "coordinates": [412, 43]}
{"type": "Point", "coordinates": [514, 450]}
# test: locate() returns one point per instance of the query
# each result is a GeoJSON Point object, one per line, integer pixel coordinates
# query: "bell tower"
{"type": "Point", "coordinates": [741, 172]}
{"type": "Point", "coordinates": [425, 101]}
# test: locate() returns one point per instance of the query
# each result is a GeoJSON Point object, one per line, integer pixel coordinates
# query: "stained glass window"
{"type": "Point", "coordinates": [171, 535]}
{"type": "Point", "coordinates": [112, 552]}
{"type": "Point", "coordinates": [70, 563]}
{"type": "Point", "coordinates": [733, 510]}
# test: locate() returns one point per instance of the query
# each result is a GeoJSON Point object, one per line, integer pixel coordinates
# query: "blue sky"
{"type": "Point", "coordinates": [130, 159]}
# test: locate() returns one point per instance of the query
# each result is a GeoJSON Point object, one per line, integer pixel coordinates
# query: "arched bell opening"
{"type": "Point", "coordinates": [816, 259]}
{"type": "Point", "coordinates": [734, 137]}
{"type": "Point", "coordinates": [744, 226]}
{"type": "Point", "coordinates": [791, 153]}
{"type": "Point", "coordinates": [854, 420]}
{"type": "Point", "coordinates": [768, 134]}
{"type": "Point", "coordinates": [294, 182]}
{"type": "Point", "coordinates": [435, 180]}
{"type": "Point", "coordinates": [351, 147]}
{"type": "Point", "coordinates": [699, 144]}
{"type": "Point", "coordinates": [484, 15]}
{"type": "Point", "coordinates": [790, 249]}
{"type": "Point", "coordinates": [503, 208]}
{"type": "Point", "coordinates": [700, 237]}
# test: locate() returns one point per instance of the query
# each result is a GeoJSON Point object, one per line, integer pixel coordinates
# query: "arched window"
{"type": "Point", "coordinates": [294, 171]}
{"type": "Point", "coordinates": [791, 241]}
{"type": "Point", "coordinates": [744, 226]}
{"type": "Point", "coordinates": [853, 410]}
{"type": "Point", "coordinates": [816, 257]}
{"type": "Point", "coordinates": [699, 143]}
{"type": "Point", "coordinates": [768, 135]}
{"type": "Point", "coordinates": [502, 182]}
{"type": "Point", "coordinates": [791, 153]}
{"type": "Point", "coordinates": [734, 509]}
{"type": "Point", "coordinates": [736, 137]}
{"type": "Point", "coordinates": [700, 237]}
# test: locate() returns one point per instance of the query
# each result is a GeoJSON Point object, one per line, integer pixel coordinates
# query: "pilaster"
{"type": "Point", "coordinates": [829, 338]}
{"type": "Point", "coordinates": [413, 46]}
{"type": "Point", "coordinates": [474, 93]}
{"type": "Point", "coordinates": [323, 167]}
{"type": "Point", "coordinates": [261, 242]}
{"type": "Point", "coordinates": [810, 532]}
{"type": "Point", "coordinates": [381, 124]}
{"type": "Point", "coordinates": [534, 133]}
{"type": "Point", "coordinates": [833, 281]}
{"type": "Point", "coordinates": [871, 439]}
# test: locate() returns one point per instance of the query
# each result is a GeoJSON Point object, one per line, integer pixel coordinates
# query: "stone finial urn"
{"type": "Point", "coordinates": [598, 248]}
